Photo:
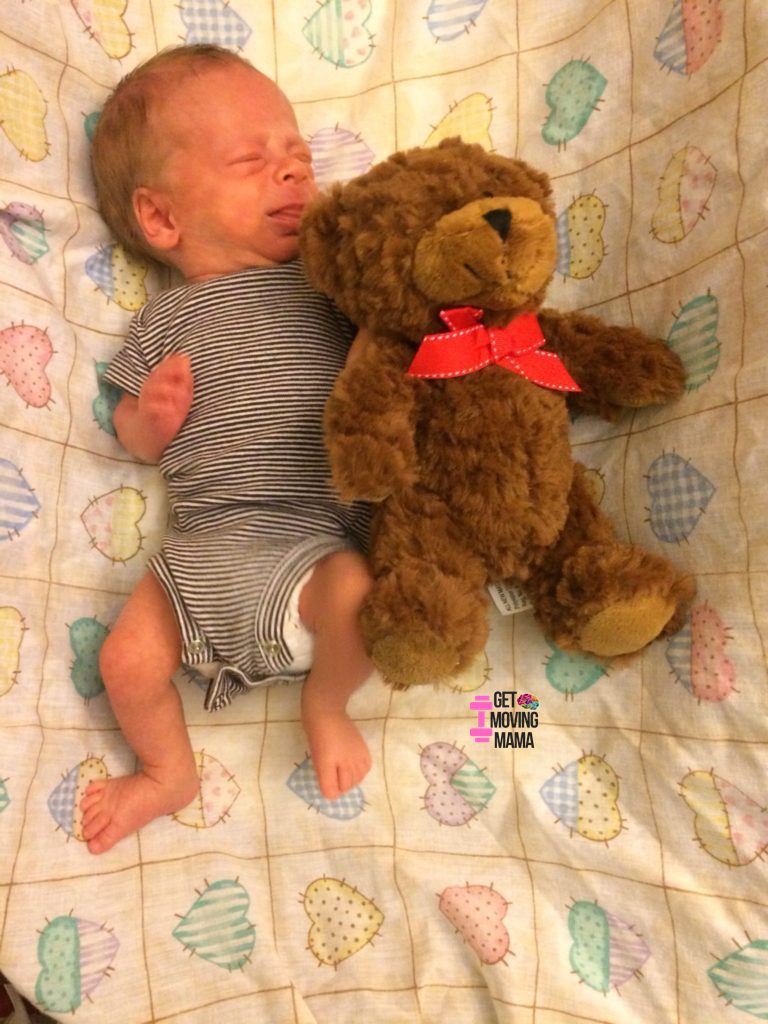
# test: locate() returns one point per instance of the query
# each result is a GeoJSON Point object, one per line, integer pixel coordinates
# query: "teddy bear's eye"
{"type": "Point", "coordinates": [488, 195]}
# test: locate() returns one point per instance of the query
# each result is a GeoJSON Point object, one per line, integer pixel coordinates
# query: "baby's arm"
{"type": "Point", "coordinates": [147, 424]}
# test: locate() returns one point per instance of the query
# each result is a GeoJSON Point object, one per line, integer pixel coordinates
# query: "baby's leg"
{"type": "Point", "coordinates": [137, 661]}
{"type": "Point", "coordinates": [329, 607]}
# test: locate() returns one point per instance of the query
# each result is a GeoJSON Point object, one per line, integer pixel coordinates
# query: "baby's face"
{"type": "Point", "coordinates": [236, 170]}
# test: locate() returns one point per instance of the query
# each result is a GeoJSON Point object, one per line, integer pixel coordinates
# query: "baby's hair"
{"type": "Point", "coordinates": [122, 150]}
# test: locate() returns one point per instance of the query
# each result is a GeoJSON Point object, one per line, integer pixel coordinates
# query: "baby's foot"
{"type": "Point", "coordinates": [115, 808]}
{"type": "Point", "coordinates": [339, 753]}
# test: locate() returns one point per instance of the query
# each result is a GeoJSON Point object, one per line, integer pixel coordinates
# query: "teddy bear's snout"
{"type": "Point", "coordinates": [497, 251]}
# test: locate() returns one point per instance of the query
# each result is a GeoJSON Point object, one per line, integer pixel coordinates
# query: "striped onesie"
{"type": "Point", "coordinates": [252, 508]}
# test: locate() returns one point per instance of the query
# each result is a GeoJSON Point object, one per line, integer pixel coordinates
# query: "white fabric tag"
{"type": "Point", "coordinates": [509, 598]}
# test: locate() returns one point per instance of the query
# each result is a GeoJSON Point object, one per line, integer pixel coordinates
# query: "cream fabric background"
{"type": "Point", "coordinates": [618, 862]}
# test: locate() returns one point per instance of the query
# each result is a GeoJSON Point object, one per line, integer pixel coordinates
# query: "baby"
{"type": "Point", "coordinates": [199, 163]}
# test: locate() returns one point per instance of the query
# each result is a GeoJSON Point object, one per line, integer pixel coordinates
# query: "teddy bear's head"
{"type": "Point", "coordinates": [431, 228]}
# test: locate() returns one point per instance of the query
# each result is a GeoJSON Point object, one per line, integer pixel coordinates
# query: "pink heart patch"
{"type": "Point", "coordinates": [25, 351]}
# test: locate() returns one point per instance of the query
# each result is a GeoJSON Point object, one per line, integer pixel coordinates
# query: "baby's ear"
{"type": "Point", "coordinates": [154, 215]}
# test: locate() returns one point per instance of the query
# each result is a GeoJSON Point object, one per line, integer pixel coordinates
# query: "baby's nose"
{"type": "Point", "coordinates": [292, 168]}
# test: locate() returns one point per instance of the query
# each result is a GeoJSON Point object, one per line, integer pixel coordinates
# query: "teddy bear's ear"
{"type": "Point", "coordinates": [533, 174]}
{"type": "Point", "coordinates": [452, 142]}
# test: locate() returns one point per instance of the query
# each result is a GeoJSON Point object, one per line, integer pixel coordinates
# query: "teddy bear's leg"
{"type": "Point", "coordinates": [596, 594]}
{"type": "Point", "coordinates": [425, 618]}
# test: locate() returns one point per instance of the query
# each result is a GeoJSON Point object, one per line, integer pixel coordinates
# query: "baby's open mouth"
{"type": "Point", "coordinates": [289, 214]}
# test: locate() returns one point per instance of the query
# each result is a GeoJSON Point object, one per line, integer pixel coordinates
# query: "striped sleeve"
{"type": "Point", "coordinates": [130, 367]}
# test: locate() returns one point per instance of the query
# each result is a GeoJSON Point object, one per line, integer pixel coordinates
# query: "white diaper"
{"type": "Point", "coordinates": [298, 639]}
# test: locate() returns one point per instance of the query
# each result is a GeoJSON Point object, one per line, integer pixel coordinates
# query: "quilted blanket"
{"type": "Point", "coordinates": [553, 840]}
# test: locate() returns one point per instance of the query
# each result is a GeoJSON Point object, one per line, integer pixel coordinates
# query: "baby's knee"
{"type": "Point", "coordinates": [114, 662]}
{"type": "Point", "coordinates": [127, 667]}
{"type": "Point", "coordinates": [339, 585]}
{"type": "Point", "coordinates": [354, 573]}
{"type": "Point", "coordinates": [351, 578]}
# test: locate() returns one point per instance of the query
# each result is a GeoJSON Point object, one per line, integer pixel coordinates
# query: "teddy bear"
{"type": "Point", "coordinates": [453, 414]}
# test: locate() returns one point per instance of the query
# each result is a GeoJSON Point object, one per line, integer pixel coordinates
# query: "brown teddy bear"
{"type": "Point", "coordinates": [452, 416]}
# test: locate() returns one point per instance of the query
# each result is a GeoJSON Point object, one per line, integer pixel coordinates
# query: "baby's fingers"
{"type": "Point", "coordinates": [171, 379]}
{"type": "Point", "coordinates": [176, 367]}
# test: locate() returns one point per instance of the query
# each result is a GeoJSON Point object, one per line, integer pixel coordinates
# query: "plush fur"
{"type": "Point", "coordinates": [473, 476]}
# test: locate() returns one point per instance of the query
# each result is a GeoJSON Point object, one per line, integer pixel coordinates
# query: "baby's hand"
{"type": "Point", "coordinates": [166, 397]}
{"type": "Point", "coordinates": [146, 425]}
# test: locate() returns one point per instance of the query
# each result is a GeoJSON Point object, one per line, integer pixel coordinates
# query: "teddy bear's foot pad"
{"type": "Point", "coordinates": [405, 664]}
{"type": "Point", "coordinates": [627, 626]}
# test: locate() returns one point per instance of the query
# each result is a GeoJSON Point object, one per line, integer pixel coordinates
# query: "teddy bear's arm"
{"type": "Point", "coordinates": [369, 429]}
{"type": "Point", "coordinates": [616, 367]}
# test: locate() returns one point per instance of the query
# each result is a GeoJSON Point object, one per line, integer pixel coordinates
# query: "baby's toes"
{"type": "Point", "coordinates": [328, 778]}
{"type": "Point", "coordinates": [93, 796]}
{"type": "Point", "coordinates": [94, 822]}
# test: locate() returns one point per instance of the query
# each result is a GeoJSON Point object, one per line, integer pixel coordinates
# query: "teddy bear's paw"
{"type": "Point", "coordinates": [421, 625]}
{"type": "Point", "coordinates": [645, 373]}
{"type": "Point", "coordinates": [627, 626]}
{"type": "Point", "coordinates": [366, 470]}
{"type": "Point", "coordinates": [413, 661]}
{"type": "Point", "coordinates": [611, 599]}
{"type": "Point", "coordinates": [683, 592]}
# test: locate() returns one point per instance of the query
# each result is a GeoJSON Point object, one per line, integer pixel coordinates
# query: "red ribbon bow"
{"type": "Point", "coordinates": [469, 346]}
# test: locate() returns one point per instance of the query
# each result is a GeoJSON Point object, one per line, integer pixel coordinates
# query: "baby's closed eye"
{"type": "Point", "coordinates": [249, 159]}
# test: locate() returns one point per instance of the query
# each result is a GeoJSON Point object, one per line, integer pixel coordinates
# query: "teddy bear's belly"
{"type": "Point", "coordinates": [507, 478]}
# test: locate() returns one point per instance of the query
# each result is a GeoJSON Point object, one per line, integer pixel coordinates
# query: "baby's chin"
{"type": "Point", "coordinates": [272, 253]}
{"type": "Point", "coordinates": [281, 250]}
{"type": "Point", "coordinates": [292, 249]}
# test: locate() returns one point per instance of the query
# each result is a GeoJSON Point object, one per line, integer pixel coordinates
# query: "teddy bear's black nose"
{"type": "Point", "coordinates": [500, 221]}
